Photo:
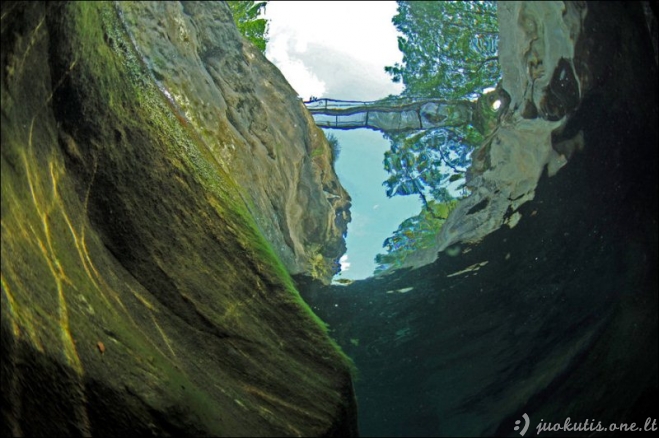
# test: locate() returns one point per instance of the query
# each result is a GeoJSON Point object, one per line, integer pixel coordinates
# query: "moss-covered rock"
{"type": "Point", "coordinates": [138, 293]}
{"type": "Point", "coordinates": [251, 119]}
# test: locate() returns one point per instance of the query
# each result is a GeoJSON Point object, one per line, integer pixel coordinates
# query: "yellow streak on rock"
{"type": "Point", "coordinates": [33, 40]}
{"type": "Point", "coordinates": [23, 316]}
{"type": "Point", "coordinates": [164, 336]}
{"type": "Point", "coordinates": [53, 262]}
{"type": "Point", "coordinates": [54, 265]}
{"type": "Point", "coordinates": [273, 400]}
{"type": "Point", "coordinates": [12, 306]}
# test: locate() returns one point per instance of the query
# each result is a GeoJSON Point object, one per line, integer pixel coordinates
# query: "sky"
{"type": "Point", "coordinates": [339, 50]}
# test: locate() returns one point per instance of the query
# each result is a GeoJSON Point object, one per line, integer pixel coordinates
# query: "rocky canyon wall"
{"type": "Point", "coordinates": [146, 152]}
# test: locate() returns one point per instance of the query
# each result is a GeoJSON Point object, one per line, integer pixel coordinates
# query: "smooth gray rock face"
{"type": "Point", "coordinates": [257, 128]}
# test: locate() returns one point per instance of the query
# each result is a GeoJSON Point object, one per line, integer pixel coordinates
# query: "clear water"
{"type": "Point", "coordinates": [374, 215]}
{"type": "Point", "coordinates": [552, 319]}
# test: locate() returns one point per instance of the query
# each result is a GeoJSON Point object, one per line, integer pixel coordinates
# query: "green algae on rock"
{"type": "Point", "coordinates": [253, 122]}
{"type": "Point", "coordinates": [138, 293]}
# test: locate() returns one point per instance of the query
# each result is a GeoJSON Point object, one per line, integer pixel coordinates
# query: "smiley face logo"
{"type": "Point", "coordinates": [526, 424]}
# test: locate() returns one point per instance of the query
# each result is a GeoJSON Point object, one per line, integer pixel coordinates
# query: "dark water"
{"type": "Point", "coordinates": [562, 320]}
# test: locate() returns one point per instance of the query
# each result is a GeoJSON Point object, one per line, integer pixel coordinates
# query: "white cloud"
{"type": "Point", "coordinates": [345, 264]}
{"type": "Point", "coordinates": [303, 80]}
{"type": "Point", "coordinates": [334, 47]}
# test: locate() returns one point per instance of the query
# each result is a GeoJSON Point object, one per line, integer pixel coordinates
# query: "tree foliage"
{"type": "Point", "coordinates": [415, 233]}
{"type": "Point", "coordinates": [246, 16]}
{"type": "Point", "coordinates": [450, 51]}
{"type": "Point", "coordinates": [449, 48]}
{"type": "Point", "coordinates": [428, 162]}
{"type": "Point", "coordinates": [334, 145]}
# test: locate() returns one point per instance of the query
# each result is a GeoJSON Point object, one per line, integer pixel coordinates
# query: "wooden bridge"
{"type": "Point", "coordinates": [399, 114]}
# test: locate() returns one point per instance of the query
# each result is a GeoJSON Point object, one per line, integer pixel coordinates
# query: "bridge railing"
{"type": "Point", "coordinates": [391, 114]}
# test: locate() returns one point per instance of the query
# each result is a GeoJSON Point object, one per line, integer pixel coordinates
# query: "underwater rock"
{"type": "Point", "coordinates": [537, 55]}
{"type": "Point", "coordinates": [139, 296]}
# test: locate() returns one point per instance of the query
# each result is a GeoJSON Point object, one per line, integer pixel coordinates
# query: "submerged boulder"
{"type": "Point", "coordinates": [139, 295]}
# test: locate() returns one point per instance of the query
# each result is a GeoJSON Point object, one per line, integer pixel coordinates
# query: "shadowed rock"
{"type": "Point", "coordinates": [139, 295]}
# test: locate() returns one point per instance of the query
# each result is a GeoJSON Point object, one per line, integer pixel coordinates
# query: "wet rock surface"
{"type": "Point", "coordinates": [139, 296]}
{"type": "Point", "coordinates": [253, 121]}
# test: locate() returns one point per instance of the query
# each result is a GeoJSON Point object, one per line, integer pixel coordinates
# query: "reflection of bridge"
{"type": "Point", "coordinates": [400, 114]}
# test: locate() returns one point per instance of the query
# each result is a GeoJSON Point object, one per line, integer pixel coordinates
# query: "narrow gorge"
{"type": "Point", "coordinates": [172, 221]}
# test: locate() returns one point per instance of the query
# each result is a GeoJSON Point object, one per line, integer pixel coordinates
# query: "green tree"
{"type": "Point", "coordinates": [246, 16]}
{"type": "Point", "coordinates": [449, 48]}
{"type": "Point", "coordinates": [415, 233]}
{"type": "Point", "coordinates": [428, 162]}
{"type": "Point", "coordinates": [334, 145]}
{"type": "Point", "coordinates": [449, 52]}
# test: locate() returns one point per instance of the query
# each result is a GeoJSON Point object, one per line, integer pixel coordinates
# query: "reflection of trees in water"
{"type": "Point", "coordinates": [414, 233]}
{"type": "Point", "coordinates": [449, 48]}
{"type": "Point", "coordinates": [450, 51]}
